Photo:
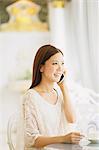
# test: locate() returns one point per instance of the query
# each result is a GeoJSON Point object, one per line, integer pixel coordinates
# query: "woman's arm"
{"type": "Point", "coordinates": [69, 113]}
{"type": "Point", "coordinates": [44, 141]}
{"type": "Point", "coordinates": [69, 138]}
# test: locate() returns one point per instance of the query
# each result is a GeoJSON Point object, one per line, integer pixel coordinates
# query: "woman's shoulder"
{"type": "Point", "coordinates": [29, 95]}
{"type": "Point", "coordinates": [29, 92]}
{"type": "Point", "coordinates": [29, 101]}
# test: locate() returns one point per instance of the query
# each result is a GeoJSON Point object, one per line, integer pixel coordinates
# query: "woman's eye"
{"type": "Point", "coordinates": [54, 63]}
{"type": "Point", "coordinates": [57, 63]}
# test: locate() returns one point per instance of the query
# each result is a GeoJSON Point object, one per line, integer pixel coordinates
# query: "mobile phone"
{"type": "Point", "coordinates": [61, 78]}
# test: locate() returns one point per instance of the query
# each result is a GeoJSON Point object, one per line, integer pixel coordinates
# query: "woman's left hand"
{"type": "Point", "coordinates": [62, 82]}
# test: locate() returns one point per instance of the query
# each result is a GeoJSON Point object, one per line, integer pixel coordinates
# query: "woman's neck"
{"type": "Point", "coordinates": [46, 86]}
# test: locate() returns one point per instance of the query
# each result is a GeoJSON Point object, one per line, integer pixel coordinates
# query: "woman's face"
{"type": "Point", "coordinates": [53, 68]}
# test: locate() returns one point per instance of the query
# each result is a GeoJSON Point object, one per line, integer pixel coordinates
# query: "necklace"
{"type": "Point", "coordinates": [48, 95]}
{"type": "Point", "coordinates": [45, 91]}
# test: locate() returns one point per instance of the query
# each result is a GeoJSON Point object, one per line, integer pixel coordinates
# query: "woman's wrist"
{"type": "Point", "coordinates": [64, 139]}
{"type": "Point", "coordinates": [59, 139]}
{"type": "Point", "coordinates": [64, 88]}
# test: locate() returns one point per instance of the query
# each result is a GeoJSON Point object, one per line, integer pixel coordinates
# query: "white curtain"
{"type": "Point", "coordinates": [84, 16]}
{"type": "Point", "coordinates": [81, 38]}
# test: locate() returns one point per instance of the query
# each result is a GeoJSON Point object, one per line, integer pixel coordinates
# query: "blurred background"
{"type": "Point", "coordinates": [25, 25]}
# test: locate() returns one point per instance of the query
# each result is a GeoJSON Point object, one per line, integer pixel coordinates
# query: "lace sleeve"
{"type": "Point", "coordinates": [31, 131]}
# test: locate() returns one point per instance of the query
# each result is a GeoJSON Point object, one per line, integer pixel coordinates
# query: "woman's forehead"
{"type": "Point", "coordinates": [57, 56]}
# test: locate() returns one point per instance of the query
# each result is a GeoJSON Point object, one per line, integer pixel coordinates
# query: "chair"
{"type": "Point", "coordinates": [12, 131]}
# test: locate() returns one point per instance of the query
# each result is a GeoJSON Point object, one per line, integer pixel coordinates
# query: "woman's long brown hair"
{"type": "Point", "coordinates": [42, 55]}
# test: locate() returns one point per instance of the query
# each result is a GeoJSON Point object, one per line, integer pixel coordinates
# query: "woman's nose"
{"type": "Point", "coordinates": [60, 68]}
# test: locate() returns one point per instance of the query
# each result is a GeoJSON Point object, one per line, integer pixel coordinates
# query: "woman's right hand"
{"type": "Point", "coordinates": [73, 138]}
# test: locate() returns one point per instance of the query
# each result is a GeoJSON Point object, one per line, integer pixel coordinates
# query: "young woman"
{"type": "Point", "coordinates": [46, 112]}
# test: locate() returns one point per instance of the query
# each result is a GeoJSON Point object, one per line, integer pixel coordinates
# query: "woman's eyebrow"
{"type": "Point", "coordinates": [58, 60]}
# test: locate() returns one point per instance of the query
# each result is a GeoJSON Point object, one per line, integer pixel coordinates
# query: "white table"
{"type": "Point", "coordinates": [72, 147]}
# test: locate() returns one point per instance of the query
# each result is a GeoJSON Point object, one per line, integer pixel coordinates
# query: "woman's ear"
{"type": "Point", "coordinates": [41, 68]}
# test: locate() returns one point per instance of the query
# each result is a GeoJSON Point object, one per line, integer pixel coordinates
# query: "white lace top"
{"type": "Point", "coordinates": [42, 118]}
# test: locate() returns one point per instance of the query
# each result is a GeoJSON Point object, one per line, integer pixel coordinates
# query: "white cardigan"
{"type": "Point", "coordinates": [42, 118]}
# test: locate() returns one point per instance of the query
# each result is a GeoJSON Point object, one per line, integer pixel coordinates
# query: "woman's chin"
{"type": "Point", "coordinates": [56, 80]}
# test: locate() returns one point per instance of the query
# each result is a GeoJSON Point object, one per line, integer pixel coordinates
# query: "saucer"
{"type": "Point", "coordinates": [94, 141]}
